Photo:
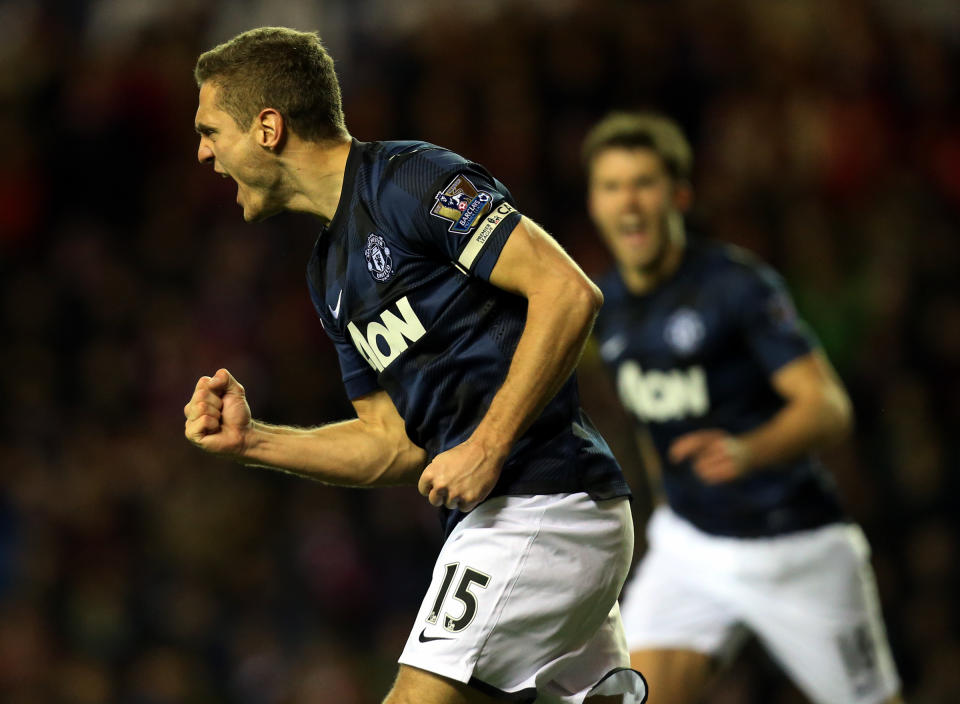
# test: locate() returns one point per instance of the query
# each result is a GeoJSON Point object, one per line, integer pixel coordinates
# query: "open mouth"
{"type": "Point", "coordinates": [634, 231]}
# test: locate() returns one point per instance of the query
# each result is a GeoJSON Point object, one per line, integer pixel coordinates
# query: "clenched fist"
{"type": "Point", "coordinates": [218, 416]}
{"type": "Point", "coordinates": [461, 477]}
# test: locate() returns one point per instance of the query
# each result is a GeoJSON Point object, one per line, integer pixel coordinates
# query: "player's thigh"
{"type": "Point", "coordinates": [415, 686]}
{"type": "Point", "coordinates": [824, 624]}
{"type": "Point", "coordinates": [674, 603]}
{"type": "Point", "coordinates": [673, 676]}
{"type": "Point", "coordinates": [664, 610]}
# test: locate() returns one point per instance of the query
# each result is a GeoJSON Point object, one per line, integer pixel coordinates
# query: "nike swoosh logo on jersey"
{"type": "Point", "coordinates": [336, 311]}
{"type": "Point", "coordinates": [611, 348]}
{"type": "Point", "coordinates": [424, 638]}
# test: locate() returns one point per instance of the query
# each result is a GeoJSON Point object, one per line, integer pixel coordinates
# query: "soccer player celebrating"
{"type": "Point", "coordinates": [732, 395]}
{"type": "Point", "coordinates": [457, 323]}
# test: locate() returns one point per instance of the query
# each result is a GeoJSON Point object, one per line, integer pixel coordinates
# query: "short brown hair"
{"type": "Point", "coordinates": [278, 68]}
{"type": "Point", "coordinates": [634, 130]}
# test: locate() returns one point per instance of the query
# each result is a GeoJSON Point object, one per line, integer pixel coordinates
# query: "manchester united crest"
{"type": "Point", "coordinates": [379, 263]}
{"type": "Point", "coordinates": [684, 331]}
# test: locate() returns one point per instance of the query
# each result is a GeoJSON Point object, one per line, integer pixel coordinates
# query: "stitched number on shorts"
{"type": "Point", "coordinates": [858, 652]}
{"type": "Point", "coordinates": [463, 594]}
{"type": "Point", "coordinates": [451, 569]}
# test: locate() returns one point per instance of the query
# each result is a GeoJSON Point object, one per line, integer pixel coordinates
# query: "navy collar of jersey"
{"type": "Point", "coordinates": [346, 189]}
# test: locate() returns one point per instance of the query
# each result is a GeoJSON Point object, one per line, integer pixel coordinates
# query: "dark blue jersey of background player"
{"type": "Point", "coordinates": [399, 280]}
{"type": "Point", "coordinates": [698, 352]}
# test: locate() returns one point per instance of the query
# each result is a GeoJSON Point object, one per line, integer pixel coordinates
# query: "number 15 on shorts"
{"type": "Point", "coordinates": [470, 579]}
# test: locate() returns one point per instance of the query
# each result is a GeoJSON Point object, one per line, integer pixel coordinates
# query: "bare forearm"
{"type": "Point", "coordinates": [348, 453]}
{"type": "Point", "coordinates": [801, 426]}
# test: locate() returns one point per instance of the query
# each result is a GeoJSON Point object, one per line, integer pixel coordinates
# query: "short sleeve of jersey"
{"type": "Point", "coordinates": [449, 206]}
{"type": "Point", "coordinates": [773, 331]}
{"type": "Point", "coordinates": [358, 377]}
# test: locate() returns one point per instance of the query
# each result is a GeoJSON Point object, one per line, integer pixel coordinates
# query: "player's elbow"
{"type": "Point", "coordinates": [596, 297]}
{"type": "Point", "coordinates": [583, 295]}
{"type": "Point", "coordinates": [844, 411]}
{"type": "Point", "coordinates": [837, 412]}
{"type": "Point", "coordinates": [569, 295]}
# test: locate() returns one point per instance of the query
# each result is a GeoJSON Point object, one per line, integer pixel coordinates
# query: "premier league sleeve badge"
{"type": "Point", "coordinates": [461, 204]}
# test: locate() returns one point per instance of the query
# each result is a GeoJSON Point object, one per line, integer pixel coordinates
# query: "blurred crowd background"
{"type": "Point", "coordinates": [134, 568]}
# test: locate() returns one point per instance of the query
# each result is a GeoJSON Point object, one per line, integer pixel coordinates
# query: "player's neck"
{"type": "Point", "coordinates": [314, 172]}
{"type": "Point", "coordinates": [641, 281]}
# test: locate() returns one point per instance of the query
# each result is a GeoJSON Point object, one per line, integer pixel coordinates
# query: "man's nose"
{"type": "Point", "coordinates": [631, 199]}
{"type": "Point", "coordinates": [204, 154]}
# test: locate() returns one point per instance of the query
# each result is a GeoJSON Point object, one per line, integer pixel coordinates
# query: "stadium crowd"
{"type": "Point", "coordinates": [135, 569]}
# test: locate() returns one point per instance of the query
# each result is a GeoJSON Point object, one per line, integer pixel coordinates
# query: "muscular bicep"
{"type": "Point", "coordinates": [532, 260]}
{"type": "Point", "coordinates": [385, 427]}
{"type": "Point", "coordinates": [377, 408]}
{"type": "Point", "coordinates": [810, 376]}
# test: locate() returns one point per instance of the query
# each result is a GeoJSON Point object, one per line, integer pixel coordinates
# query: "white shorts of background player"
{"type": "Point", "coordinates": [809, 597]}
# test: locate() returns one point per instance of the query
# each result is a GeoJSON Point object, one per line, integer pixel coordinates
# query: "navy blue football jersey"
{"type": "Point", "coordinates": [698, 352]}
{"type": "Point", "coordinates": [400, 280]}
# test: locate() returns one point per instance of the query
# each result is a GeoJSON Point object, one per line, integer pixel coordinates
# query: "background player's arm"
{"type": "Point", "coordinates": [562, 303]}
{"type": "Point", "coordinates": [817, 411]}
{"type": "Point", "coordinates": [371, 449]}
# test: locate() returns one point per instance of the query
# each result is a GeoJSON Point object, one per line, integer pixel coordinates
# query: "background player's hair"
{"type": "Point", "coordinates": [279, 68]}
{"type": "Point", "coordinates": [649, 130]}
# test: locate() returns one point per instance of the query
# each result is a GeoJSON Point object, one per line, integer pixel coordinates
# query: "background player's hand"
{"type": "Point", "coordinates": [218, 416]}
{"type": "Point", "coordinates": [715, 455]}
{"type": "Point", "coordinates": [461, 477]}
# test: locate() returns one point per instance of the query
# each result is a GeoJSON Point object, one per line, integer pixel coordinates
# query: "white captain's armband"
{"type": "Point", "coordinates": [485, 229]}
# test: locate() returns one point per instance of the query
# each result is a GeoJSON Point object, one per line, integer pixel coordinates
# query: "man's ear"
{"type": "Point", "coordinates": [683, 196]}
{"type": "Point", "coordinates": [271, 130]}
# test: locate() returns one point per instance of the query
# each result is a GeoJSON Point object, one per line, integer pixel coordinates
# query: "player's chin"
{"type": "Point", "coordinates": [257, 217]}
{"type": "Point", "coordinates": [254, 215]}
{"type": "Point", "coordinates": [256, 212]}
{"type": "Point", "coordinates": [638, 257]}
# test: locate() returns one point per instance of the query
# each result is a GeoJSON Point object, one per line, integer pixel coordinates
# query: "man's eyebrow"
{"type": "Point", "coordinates": [201, 128]}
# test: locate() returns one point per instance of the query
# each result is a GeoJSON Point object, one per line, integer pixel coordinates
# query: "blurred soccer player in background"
{"type": "Point", "coordinates": [732, 395]}
{"type": "Point", "coordinates": [457, 323]}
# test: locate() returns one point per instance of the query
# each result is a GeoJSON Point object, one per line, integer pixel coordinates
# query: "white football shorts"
{"type": "Point", "coordinates": [523, 601]}
{"type": "Point", "coordinates": [809, 597]}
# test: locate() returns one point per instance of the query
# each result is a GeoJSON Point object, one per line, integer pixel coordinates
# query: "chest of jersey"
{"type": "Point", "coordinates": [679, 356]}
{"type": "Point", "coordinates": [382, 297]}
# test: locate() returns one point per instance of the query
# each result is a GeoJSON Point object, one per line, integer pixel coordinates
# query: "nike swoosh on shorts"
{"type": "Point", "coordinates": [424, 638]}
